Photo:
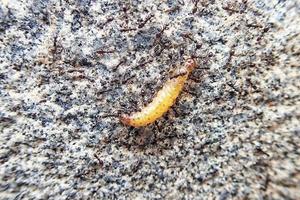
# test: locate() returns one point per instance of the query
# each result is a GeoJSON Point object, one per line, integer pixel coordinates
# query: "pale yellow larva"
{"type": "Point", "coordinates": [163, 100]}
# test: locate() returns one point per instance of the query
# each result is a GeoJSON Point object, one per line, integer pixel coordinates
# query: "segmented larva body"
{"type": "Point", "coordinates": [163, 100]}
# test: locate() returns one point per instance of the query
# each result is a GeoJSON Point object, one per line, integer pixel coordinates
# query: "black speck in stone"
{"type": "Point", "coordinates": [85, 62]}
{"type": "Point", "coordinates": [7, 20]}
{"type": "Point", "coordinates": [144, 39]}
{"type": "Point", "coordinates": [197, 121]}
{"type": "Point", "coordinates": [224, 195]}
{"type": "Point", "coordinates": [76, 23]}
{"type": "Point", "coordinates": [200, 178]}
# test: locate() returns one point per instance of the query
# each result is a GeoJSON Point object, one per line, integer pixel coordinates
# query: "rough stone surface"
{"type": "Point", "coordinates": [68, 68]}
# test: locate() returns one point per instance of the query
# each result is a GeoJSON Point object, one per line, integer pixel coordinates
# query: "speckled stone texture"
{"type": "Point", "coordinates": [68, 68]}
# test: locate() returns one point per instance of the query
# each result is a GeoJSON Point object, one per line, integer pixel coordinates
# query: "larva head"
{"type": "Point", "coordinates": [190, 64]}
{"type": "Point", "coordinates": [125, 119]}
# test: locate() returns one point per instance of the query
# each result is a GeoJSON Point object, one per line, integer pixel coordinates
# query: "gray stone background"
{"type": "Point", "coordinates": [68, 68]}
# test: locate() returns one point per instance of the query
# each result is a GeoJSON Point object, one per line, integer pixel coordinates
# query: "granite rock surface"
{"type": "Point", "coordinates": [69, 68]}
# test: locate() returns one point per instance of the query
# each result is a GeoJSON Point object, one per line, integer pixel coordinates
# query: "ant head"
{"type": "Point", "coordinates": [125, 119]}
{"type": "Point", "coordinates": [191, 64]}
